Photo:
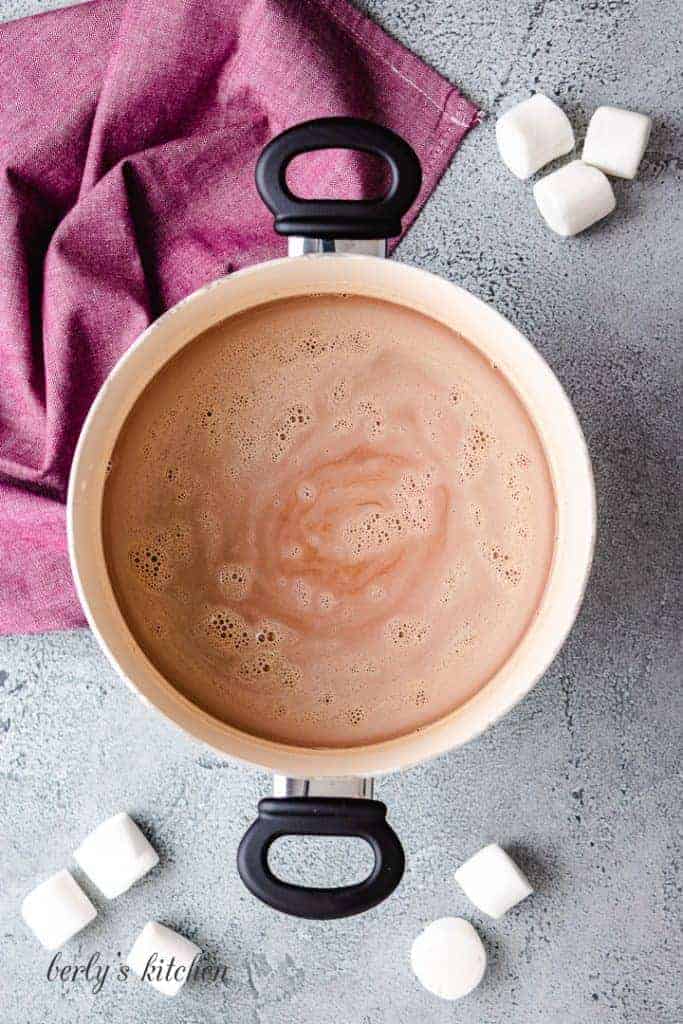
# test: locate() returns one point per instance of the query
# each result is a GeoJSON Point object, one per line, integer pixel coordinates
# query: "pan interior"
{"type": "Point", "coordinates": [329, 521]}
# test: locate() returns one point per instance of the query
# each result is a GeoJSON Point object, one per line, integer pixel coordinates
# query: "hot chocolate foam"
{"type": "Point", "coordinates": [328, 521]}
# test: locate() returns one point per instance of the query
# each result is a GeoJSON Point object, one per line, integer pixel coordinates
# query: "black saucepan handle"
{"type": "Point", "coordinates": [320, 816]}
{"type": "Point", "coordinates": [338, 218]}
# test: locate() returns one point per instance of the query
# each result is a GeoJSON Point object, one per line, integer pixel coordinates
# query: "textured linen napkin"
{"type": "Point", "coordinates": [128, 138]}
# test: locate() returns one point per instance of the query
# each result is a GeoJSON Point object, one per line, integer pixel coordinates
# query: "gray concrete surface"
{"type": "Point", "coordinates": [581, 782]}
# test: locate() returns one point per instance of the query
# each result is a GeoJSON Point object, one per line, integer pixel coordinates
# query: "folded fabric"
{"type": "Point", "coordinates": [128, 138]}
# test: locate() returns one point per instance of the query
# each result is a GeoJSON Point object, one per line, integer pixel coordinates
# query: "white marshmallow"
{"type": "Point", "coordinates": [532, 134]}
{"type": "Point", "coordinates": [162, 957]}
{"type": "Point", "coordinates": [448, 958]}
{"type": "Point", "coordinates": [57, 909]}
{"type": "Point", "coordinates": [492, 881]}
{"type": "Point", "coordinates": [116, 855]}
{"type": "Point", "coordinates": [616, 140]}
{"type": "Point", "coordinates": [573, 198]}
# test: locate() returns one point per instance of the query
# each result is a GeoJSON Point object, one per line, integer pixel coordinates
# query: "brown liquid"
{"type": "Point", "coordinates": [328, 521]}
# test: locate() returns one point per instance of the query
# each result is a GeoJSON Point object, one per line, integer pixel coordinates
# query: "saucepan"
{"type": "Point", "coordinates": [336, 246]}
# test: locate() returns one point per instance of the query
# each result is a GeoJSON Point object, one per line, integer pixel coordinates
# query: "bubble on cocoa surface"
{"type": "Point", "coordinates": [247, 447]}
{"type": "Point", "coordinates": [476, 449]}
{"type": "Point", "coordinates": [363, 667]}
{"type": "Point", "coordinates": [412, 496]}
{"type": "Point", "coordinates": [513, 575]}
{"type": "Point", "coordinates": [409, 514]}
{"type": "Point", "coordinates": [340, 391]}
{"type": "Point", "coordinates": [311, 716]}
{"type": "Point", "coordinates": [234, 580]}
{"type": "Point", "coordinates": [459, 642]}
{"type": "Point", "coordinates": [288, 675]}
{"type": "Point", "coordinates": [306, 492]}
{"type": "Point", "coordinates": [266, 636]}
{"type": "Point", "coordinates": [302, 592]}
{"type": "Point", "coordinates": [326, 601]}
{"type": "Point", "coordinates": [356, 715]}
{"type": "Point", "coordinates": [150, 563]}
{"type": "Point", "coordinates": [227, 630]}
{"type": "Point", "coordinates": [210, 420]}
{"type": "Point", "coordinates": [406, 632]}
{"type": "Point", "coordinates": [519, 535]}
{"type": "Point", "coordinates": [158, 625]}
{"type": "Point", "coordinates": [208, 522]}
{"type": "Point", "coordinates": [313, 344]}
{"type": "Point", "coordinates": [420, 698]}
{"type": "Point", "coordinates": [372, 533]}
{"type": "Point", "coordinates": [166, 418]}
{"type": "Point", "coordinates": [502, 563]}
{"type": "Point", "coordinates": [254, 666]}
{"type": "Point", "coordinates": [274, 634]}
{"type": "Point", "coordinates": [515, 477]}
{"type": "Point", "coordinates": [372, 417]}
{"type": "Point", "coordinates": [297, 419]}
{"type": "Point", "coordinates": [177, 540]}
{"type": "Point", "coordinates": [454, 583]}
{"type": "Point", "coordinates": [514, 486]}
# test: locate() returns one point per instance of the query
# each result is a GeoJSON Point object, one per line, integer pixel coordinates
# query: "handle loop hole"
{"type": "Point", "coordinates": [321, 861]}
{"type": "Point", "coordinates": [338, 174]}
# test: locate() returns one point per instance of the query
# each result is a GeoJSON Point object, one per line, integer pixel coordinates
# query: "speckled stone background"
{"type": "Point", "coordinates": [581, 783]}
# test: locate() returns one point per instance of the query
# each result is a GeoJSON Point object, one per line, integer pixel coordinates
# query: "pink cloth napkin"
{"type": "Point", "coordinates": [128, 138]}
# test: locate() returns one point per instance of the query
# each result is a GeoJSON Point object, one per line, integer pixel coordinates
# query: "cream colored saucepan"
{"type": "Point", "coordinates": [336, 246]}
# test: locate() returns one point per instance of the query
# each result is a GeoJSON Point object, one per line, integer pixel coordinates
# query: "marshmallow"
{"type": "Point", "coordinates": [162, 957]}
{"type": "Point", "coordinates": [57, 909]}
{"type": "Point", "coordinates": [532, 134]}
{"type": "Point", "coordinates": [573, 198]}
{"type": "Point", "coordinates": [616, 140]}
{"type": "Point", "coordinates": [448, 958]}
{"type": "Point", "coordinates": [492, 881]}
{"type": "Point", "coordinates": [116, 855]}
